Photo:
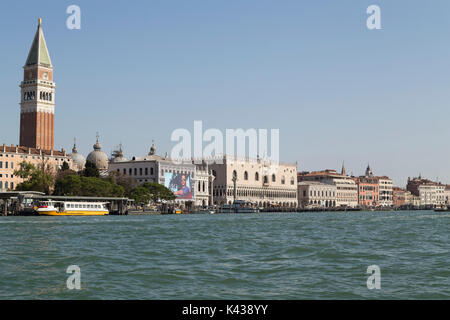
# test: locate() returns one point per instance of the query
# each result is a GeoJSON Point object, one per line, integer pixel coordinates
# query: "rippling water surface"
{"type": "Point", "coordinates": [258, 256]}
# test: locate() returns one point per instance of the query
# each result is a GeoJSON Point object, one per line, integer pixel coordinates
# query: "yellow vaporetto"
{"type": "Point", "coordinates": [68, 208]}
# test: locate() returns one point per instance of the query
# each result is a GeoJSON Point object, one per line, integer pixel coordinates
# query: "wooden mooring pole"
{"type": "Point", "coordinates": [5, 207]}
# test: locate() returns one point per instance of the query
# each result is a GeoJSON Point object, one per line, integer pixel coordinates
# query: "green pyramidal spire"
{"type": "Point", "coordinates": [38, 54]}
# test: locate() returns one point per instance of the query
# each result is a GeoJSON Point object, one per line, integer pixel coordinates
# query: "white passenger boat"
{"type": "Point", "coordinates": [72, 208]}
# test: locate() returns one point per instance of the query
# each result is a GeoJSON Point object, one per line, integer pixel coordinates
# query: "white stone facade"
{"type": "Point", "coordinates": [152, 168]}
{"type": "Point", "coordinates": [260, 182]}
{"type": "Point", "coordinates": [346, 187]}
{"type": "Point", "coordinates": [312, 194]}
{"type": "Point", "coordinates": [431, 194]}
{"type": "Point", "coordinates": [385, 192]}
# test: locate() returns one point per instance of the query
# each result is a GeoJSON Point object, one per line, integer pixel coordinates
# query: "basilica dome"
{"type": "Point", "coordinates": [77, 159]}
{"type": "Point", "coordinates": [98, 157]}
{"type": "Point", "coordinates": [117, 155]}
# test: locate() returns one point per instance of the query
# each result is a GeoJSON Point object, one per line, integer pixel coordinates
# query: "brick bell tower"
{"type": "Point", "coordinates": [37, 106]}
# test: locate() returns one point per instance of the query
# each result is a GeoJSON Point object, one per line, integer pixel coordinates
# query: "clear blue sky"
{"type": "Point", "coordinates": [337, 91]}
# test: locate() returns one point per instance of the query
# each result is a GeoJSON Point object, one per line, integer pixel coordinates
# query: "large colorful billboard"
{"type": "Point", "coordinates": [179, 183]}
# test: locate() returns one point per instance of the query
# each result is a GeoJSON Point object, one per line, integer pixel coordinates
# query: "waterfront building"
{"type": "Point", "coordinates": [430, 193]}
{"type": "Point", "coordinates": [312, 194]}
{"type": "Point", "coordinates": [37, 106]}
{"type": "Point", "coordinates": [347, 189]}
{"type": "Point", "coordinates": [203, 185]}
{"type": "Point", "coordinates": [259, 181]}
{"type": "Point", "coordinates": [12, 156]}
{"type": "Point", "coordinates": [189, 182]}
{"type": "Point", "coordinates": [447, 194]}
{"type": "Point", "coordinates": [385, 191]}
{"type": "Point", "coordinates": [367, 189]}
{"type": "Point", "coordinates": [401, 197]}
{"type": "Point", "coordinates": [415, 201]}
{"type": "Point", "coordinates": [374, 191]}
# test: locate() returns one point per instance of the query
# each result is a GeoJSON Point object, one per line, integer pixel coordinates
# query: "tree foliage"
{"type": "Point", "coordinates": [35, 179]}
{"type": "Point", "coordinates": [65, 166]}
{"type": "Point", "coordinates": [141, 195]}
{"type": "Point", "coordinates": [125, 181]}
{"type": "Point", "coordinates": [158, 191]}
{"type": "Point", "coordinates": [75, 185]}
{"type": "Point", "coordinates": [91, 170]}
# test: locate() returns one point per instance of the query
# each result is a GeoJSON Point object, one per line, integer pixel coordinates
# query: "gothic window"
{"type": "Point", "coordinates": [283, 180]}
{"type": "Point", "coordinates": [203, 186]}
{"type": "Point", "coordinates": [245, 175]}
{"type": "Point", "coordinates": [151, 171]}
{"type": "Point", "coordinates": [273, 178]}
{"type": "Point", "coordinates": [257, 176]}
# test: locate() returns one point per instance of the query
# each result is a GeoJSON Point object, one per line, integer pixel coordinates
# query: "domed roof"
{"type": "Point", "coordinates": [117, 155]}
{"type": "Point", "coordinates": [98, 157]}
{"type": "Point", "coordinates": [77, 158]}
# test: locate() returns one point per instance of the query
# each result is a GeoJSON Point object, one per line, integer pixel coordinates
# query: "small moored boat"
{"type": "Point", "coordinates": [239, 206]}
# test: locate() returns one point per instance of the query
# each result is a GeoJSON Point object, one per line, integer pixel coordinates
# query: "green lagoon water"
{"type": "Point", "coordinates": [234, 256]}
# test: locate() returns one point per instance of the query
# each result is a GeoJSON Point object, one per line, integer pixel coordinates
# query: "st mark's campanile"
{"type": "Point", "coordinates": [37, 106]}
